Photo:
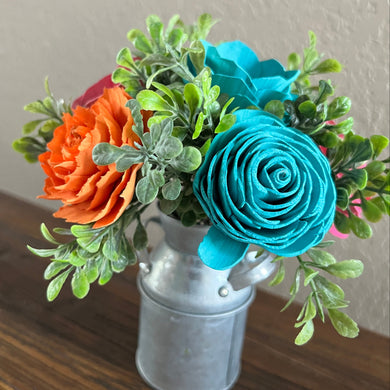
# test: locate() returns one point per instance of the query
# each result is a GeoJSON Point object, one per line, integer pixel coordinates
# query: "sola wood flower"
{"type": "Point", "coordinates": [91, 193]}
{"type": "Point", "coordinates": [266, 184]}
{"type": "Point", "coordinates": [240, 74]}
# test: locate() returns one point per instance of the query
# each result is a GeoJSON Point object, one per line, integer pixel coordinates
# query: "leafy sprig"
{"type": "Point", "coordinates": [39, 132]}
{"type": "Point", "coordinates": [92, 254]}
{"type": "Point", "coordinates": [163, 57]}
{"type": "Point", "coordinates": [324, 293]}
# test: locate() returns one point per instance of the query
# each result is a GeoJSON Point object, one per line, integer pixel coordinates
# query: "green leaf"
{"type": "Point", "coordinates": [325, 90]}
{"type": "Point", "coordinates": [37, 108]}
{"type": "Point", "coordinates": [372, 212]}
{"type": "Point", "coordinates": [155, 28]}
{"type": "Point", "coordinates": [140, 238]}
{"type": "Point", "coordinates": [275, 107]}
{"type": "Point", "coordinates": [105, 272]}
{"type": "Point", "coordinates": [105, 153]}
{"type": "Point", "coordinates": [309, 275]}
{"type": "Point", "coordinates": [90, 243]}
{"type": "Point", "coordinates": [205, 147]}
{"type": "Point", "coordinates": [205, 23]}
{"type": "Point", "coordinates": [150, 100]}
{"type": "Point", "coordinates": [343, 127]}
{"type": "Point", "coordinates": [110, 248]}
{"type": "Point", "coordinates": [91, 270]}
{"type": "Point", "coordinates": [293, 61]}
{"type": "Point", "coordinates": [139, 40]}
{"type": "Point", "coordinates": [42, 252]}
{"type": "Point", "coordinates": [171, 190]}
{"type": "Point", "coordinates": [338, 107]}
{"type": "Point", "coordinates": [75, 259]}
{"type": "Point", "coordinates": [328, 66]}
{"type": "Point", "coordinates": [188, 218]}
{"type": "Point", "coordinates": [330, 293]}
{"type": "Point", "coordinates": [55, 286]}
{"type": "Point", "coordinates": [328, 139]}
{"type": "Point", "coordinates": [193, 97]}
{"type": "Point", "coordinates": [156, 178]}
{"type": "Point", "coordinates": [135, 109]}
{"type": "Point", "coordinates": [225, 123]}
{"type": "Point", "coordinates": [169, 147]}
{"type": "Point", "coordinates": [359, 227]}
{"type": "Point", "coordinates": [120, 265]}
{"type": "Point", "coordinates": [197, 55]}
{"type": "Point", "coordinates": [342, 199]}
{"type": "Point", "coordinates": [341, 223]}
{"type": "Point", "coordinates": [343, 324]}
{"type": "Point", "coordinates": [125, 58]}
{"type": "Point", "coordinates": [310, 312]}
{"type": "Point", "coordinates": [146, 191]}
{"type": "Point", "coordinates": [80, 285]}
{"type": "Point", "coordinates": [382, 205]}
{"type": "Point", "coordinates": [47, 235]}
{"type": "Point", "coordinates": [346, 269]}
{"type": "Point", "coordinates": [31, 126]}
{"type": "Point", "coordinates": [54, 268]}
{"type": "Point", "coordinates": [198, 125]}
{"type": "Point", "coordinates": [169, 206]}
{"type": "Point", "coordinates": [308, 109]}
{"type": "Point", "coordinates": [379, 142]}
{"type": "Point", "coordinates": [305, 334]}
{"type": "Point", "coordinates": [279, 277]}
{"type": "Point", "coordinates": [121, 75]}
{"type": "Point", "coordinates": [321, 257]}
{"type": "Point", "coordinates": [359, 176]}
{"type": "Point", "coordinates": [374, 169]}
{"type": "Point", "coordinates": [325, 244]}
{"type": "Point", "coordinates": [129, 158]}
{"type": "Point", "coordinates": [188, 160]}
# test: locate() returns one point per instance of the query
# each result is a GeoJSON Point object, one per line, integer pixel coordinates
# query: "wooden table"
{"type": "Point", "coordinates": [90, 344]}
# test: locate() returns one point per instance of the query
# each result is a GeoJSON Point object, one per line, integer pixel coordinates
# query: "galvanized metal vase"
{"type": "Point", "coordinates": [192, 318]}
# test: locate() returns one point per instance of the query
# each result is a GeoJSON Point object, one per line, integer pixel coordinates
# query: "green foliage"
{"type": "Point", "coordinates": [324, 294]}
{"type": "Point", "coordinates": [91, 254]}
{"type": "Point", "coordinates": [37, 133]}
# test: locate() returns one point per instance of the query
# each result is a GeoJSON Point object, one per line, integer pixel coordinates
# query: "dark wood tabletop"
{"type": "Point", "coordinates": [91, 343]}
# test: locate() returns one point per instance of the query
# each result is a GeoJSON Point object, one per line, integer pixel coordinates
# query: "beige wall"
{"type": "Point", "coordinates": [75, 42]}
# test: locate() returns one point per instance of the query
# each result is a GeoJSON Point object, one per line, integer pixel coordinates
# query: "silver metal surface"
{"type": "Point", "coordinates": [192, 321]}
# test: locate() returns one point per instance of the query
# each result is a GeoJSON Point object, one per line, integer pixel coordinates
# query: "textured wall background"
{"type": "Point", "coordinates": [75, 43]}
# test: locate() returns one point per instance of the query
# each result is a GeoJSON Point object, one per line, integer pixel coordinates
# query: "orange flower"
{"type": "Point", "coordinates": [91, 193]}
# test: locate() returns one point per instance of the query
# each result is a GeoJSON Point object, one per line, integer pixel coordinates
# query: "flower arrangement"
{"type": "Point", "coordinates": [218, 137]}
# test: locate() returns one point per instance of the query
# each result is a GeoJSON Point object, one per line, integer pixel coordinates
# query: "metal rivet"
{"type": "Point", "coordinates": [145, 268]}
{"type": "Point", "coordinates": [223, 292]}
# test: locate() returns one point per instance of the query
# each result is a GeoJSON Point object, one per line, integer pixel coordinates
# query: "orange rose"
{"type": "Point", "coordinates": [91, 193]}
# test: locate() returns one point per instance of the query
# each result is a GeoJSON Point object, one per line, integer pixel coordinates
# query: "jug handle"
{"type": "Point", "coordinates": [252, 270]}
{"type": "Point", "coordinates": [143, 255]}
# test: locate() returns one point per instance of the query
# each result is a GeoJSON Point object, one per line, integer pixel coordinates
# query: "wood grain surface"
{"type": "Point", "coordinates": [90, 344]}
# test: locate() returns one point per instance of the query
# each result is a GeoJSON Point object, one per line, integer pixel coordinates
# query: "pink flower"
{"type": "Point", "coordinates": [94, 92]}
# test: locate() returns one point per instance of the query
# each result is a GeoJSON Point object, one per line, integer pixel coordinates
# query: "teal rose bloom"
{"type": "Point", "coordinates": [240, 74]}
{"type": "Point", "coordinates": [266, 184]}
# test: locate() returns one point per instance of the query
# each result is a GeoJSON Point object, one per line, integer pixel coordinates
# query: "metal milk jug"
{"type": "Point", "coordinates": [192, 317]}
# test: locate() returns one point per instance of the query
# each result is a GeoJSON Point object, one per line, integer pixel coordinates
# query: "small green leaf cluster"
{"type": "Point", "coordinates": [39, 132]}
{"type": "Point", "coordinates": [362, 181]}
{"type": "Point", "coordinates": [163, 158]}
{"type": "Point", "coordinates": [91, 254]}
{"type": "Point", "coordinates": [324, 293]}
{"type": "Point", "coordinates": [312, 64]}
{"type": "Point", "coordinates": [314, 115]}
{"type": "Point", "coordinates": [163, 56]}
{"type": "Point", "coordinates": [187, 113]}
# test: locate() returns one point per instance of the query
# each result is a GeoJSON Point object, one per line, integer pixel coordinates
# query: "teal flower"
{"type": "Point", "coordinates": [240, 74]}
{"type": "Point", "coordinates": [266, 184]}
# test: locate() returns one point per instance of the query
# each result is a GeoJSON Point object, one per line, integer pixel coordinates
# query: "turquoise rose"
{"type": "Point", "coordinates": [266, 184]}
{"type": "Point", "coordinates": [240, 74]}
